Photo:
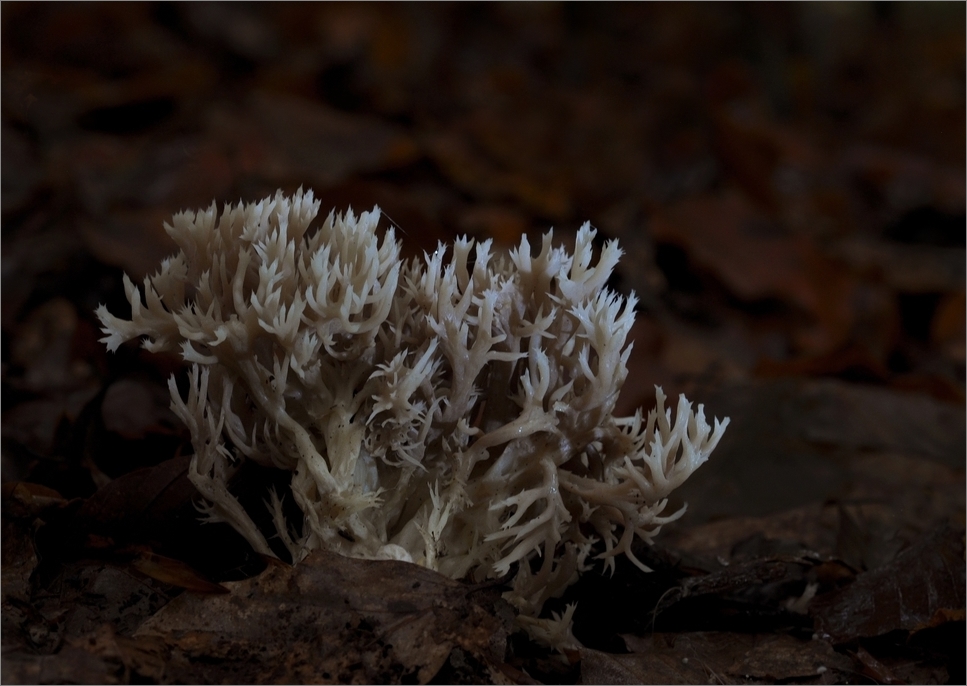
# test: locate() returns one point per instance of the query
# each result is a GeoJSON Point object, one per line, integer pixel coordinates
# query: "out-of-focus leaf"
{"type": "Point", "coordinates": [325, 146]}
{"type": "Point", "coordinates": [34, 424]}
{"type": "Point", "coordinates": [502, 223]}
{"type": "Point", "coordinates": [134, 239]}
{"type": "Point", "coordinates": [43, 347]}
{"type": "Point", "coordinates": [322, 622]}
{"type": "Point", "coordinates": [904, 595]}
{"type": "Point", "coordinates": [907, 268]}
{"type": "Point", "coordinates": [474, 173]}
{"type": "Point", "coordinates": [930, 428]}
{"type": "Point", "coordinates": [756, 259]}
{"type": "Point", "coordinates": [241, 30]}
{"type": "Point", "coordinates": [138, 503]}
{"type": "Point", "coordinates": [134, 409]}
{"type": "Point", "coordinates": [902, 180]}
{"type": "Point", "coordinates": [174, 572]}
{"type": "Point", "coordinates": [867, 536]}
{"type": "Point", "coordinates": [944, 615]}
{"type": "Point", "coordinates": [28, 254]}
{"type": "Point", "coordinates": [854, 360]}
{"type": "Point", "coordinates": [827, 433]}
{"type": "Point", "coordinates": [20, 154]}
{"type": "Point", "coordinates": [949, 328]}
{"type": "Point", "coordinates": [147, 511]}
{"type": "Point", "coordinates": [414, 211]}
{"type": "Point", "coordinates": [812, 527]}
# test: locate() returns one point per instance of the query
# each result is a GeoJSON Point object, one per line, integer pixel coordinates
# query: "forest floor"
{"type": "Point", "coordinates": [787, 183]}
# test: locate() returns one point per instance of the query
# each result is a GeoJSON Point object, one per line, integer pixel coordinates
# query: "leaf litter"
{"type": "Point", "coordinates": [792, 208]}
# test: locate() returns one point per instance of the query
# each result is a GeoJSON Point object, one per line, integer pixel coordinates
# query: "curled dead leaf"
{"type": "Point", "coordinates": [174, 572]}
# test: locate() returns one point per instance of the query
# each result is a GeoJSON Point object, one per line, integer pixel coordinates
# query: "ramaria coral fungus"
{"type": "Point", "coordinates": [454, 411]}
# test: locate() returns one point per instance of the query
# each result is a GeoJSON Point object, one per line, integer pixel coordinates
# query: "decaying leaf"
{"type": "Point", "coordinates": [22, 502]}
{"type": "Point", "coordinates": [174, 572]}
{"type": "Point", "coordinates": [875, 669]}
{"type": "Point", "coordinates": [330, 619]}
{"type": "Point", "coordinates": [80, 599]}
{"type": "Point", "coordinates": [905, 594]}
{"type": "Point", "coordinates": [19, 560]}
{"type": "Point", "coordinates": [715, 657]}
{"type": "Point", "coordinates": [779, 657]}
{"type": "Point", "coordinates": [134, 409]}
{"type": "Point", "coordinates": [867, 536]}
{"type": "Point", "coordinates": [22, 499]}
{"type": "Point", "coordinates": [70, 665]}
{"type": "Point", "coordinates": [101, 657]}
{"type": "Point", "coordinates": [143, 499]}
{"type": "Point", "coordinates": [141, 656]}
{"type": "Point", "coordinates": [812, 527]}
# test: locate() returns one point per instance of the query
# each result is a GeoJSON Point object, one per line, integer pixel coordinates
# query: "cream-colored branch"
{"type": "Point", "coordinates": [455, 416]}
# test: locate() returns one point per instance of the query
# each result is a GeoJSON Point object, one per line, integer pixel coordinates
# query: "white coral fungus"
{"type": "Point", "coordinates": [454, 411]}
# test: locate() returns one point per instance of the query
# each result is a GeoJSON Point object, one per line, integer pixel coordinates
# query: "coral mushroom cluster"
{"type": "Point", "coordinates": [454, 411]}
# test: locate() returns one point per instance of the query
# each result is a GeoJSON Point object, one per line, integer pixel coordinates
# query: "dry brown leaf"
{"type": "Point", "coordinates": [503, 223]}
{"type": "Point", "coordinates": [325, 146]}
{"type": "Point", "coordinates": [88, 594]}
{"type": "Point", "coordinates": [906, 268]}
{"type": "Point", "coordinates": [756, 258]}
{"type": "Point", "coordinates": [949, 327]}
{"type": "Point", "coordinates": [778, 657]}
{"type": "Point", "coordinates": [141, 656]}
{"type": "Point", "coordinates": [70, 665]}
{"type": "Point", "coordinates": [102, 657]}
{"type": "Point", "coordinates": [133, 239]}
{"type": "Point", "coordinates": [19, 559]}
{"type": "Point", "coordinates": [812, 527]}
{"type": "Point", "coordinates": [902, 178]}
{"type": "Point", "coordinates": [905, 594]}
{"type": "Point", "coordinates": [859, 417]}
{"type": "Point", "coordinates": [174, 572]}
{"type": "Point", "coordinates": [471, 171]}
{"type": "Point", "coordinates": [134, 409]}
{"type": "Point", "coordinates": [330, 619]}
{"type": "Point", "coordinates": [43, 346]}
{"type": "Point", "coordinates": [875, 669]}
{"type": "Point", "coordinates": [19, 153]}
{"type": "Point", "coordinates": [821, 429]}
{"type": "Point", "coordinates": [135, 505]}
{"type": "Point", "coordinates": [715, 657]}
{"type": "Point", "coordinates": [598, 667]}
{"type": "Point", "coordinates": [24, 499]}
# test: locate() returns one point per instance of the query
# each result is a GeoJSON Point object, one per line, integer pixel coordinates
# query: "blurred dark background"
{"type": "Point", "coordinates": [787, 181]}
